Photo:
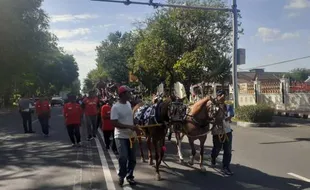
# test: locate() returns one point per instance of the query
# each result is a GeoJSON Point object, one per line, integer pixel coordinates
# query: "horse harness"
{"type": "Point", "coordinates": [190, 118]}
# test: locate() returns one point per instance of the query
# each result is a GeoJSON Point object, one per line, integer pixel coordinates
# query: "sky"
{"type": "Point", "coordinates": [274, 30]}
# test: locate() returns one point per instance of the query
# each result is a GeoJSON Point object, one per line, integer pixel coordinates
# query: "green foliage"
{"type": "Point", "coordinates": [172, 45]}
{"type": "Point", "coordinates": [255, 113]}
{"type": "Point", "coordinates": [93, 77]}
{"type": "Point", "coordinates": [113, 55]}
{"type": "Point", "coordinates": [299, 74]}
{"type": "Point", "coordinates": [30, 60]}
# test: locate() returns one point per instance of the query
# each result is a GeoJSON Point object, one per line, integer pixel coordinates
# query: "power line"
{"type": "Point", "coordinates": [278, 63]}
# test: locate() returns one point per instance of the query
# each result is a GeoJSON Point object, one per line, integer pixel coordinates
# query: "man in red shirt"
{"type": "Point", "coordinates": [73, 113]}
{"type": "Point", "coordinates": [43, 111]}
{"type": "Point", "coordinates": [91, 106]}
{"type": "Point", "coordinates": [107, 128]}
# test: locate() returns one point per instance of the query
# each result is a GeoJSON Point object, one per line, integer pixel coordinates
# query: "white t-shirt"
{"type": "Point", "coordinates": [123, 113]}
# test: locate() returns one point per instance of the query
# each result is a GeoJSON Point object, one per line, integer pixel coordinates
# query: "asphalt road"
{"type": "Point", "coordinates": [263, 158]}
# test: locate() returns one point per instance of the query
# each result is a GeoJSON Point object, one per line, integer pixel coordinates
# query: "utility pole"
{"type": "Point", "coordinates": [235, 49]}
{"type": "Point", "coordinates": [234, 11]}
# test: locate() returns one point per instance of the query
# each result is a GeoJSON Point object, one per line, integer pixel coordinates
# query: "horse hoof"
{"type": "Point", "coordinates": [151, 163]}
{"type": "Point", "coordinates": [158, 177]}
{"type": "Point", "coordinates": [143, 160]}
{"type": "Point", "coordinates": [190, 163]}
{"type": "Point", "coordinates": [181, 161]}
{"type": "Point", "coordinates": [203, 169]}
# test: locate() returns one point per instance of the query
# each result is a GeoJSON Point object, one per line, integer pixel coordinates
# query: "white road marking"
{"type": "Point", "coordinates": [114, 161]}
{"type": "Point", "coordinates": [78, 178]}
{"type": "Point", "coordinates": [299, 177]}
{"type": "Point", "coordinates": [105, 168]}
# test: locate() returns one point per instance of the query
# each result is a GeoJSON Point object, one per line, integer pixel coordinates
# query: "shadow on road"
{"type": "Point", "coordinates": [21, 155]}
{"type": "Point", "coordinates": [294, 141]}
{"type": "Point", "coordinates": [181, 176]}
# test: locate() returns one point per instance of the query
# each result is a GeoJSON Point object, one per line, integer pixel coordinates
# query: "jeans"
{"type": "Point", "coordinates": [127, 158]}
{"type": "Point", "coordinates": [74, 131]}
{"type": "Point", "coordinates": [227, 147]}
{"type": "Point", "coordinates": [91, 123]}
{"type": "Point", "coordinates": [27, 121]}
{"type": "Point", "coordinates": [43, 119]}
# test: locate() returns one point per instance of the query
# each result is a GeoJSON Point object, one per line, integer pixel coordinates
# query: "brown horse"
{"type": "Point", "coordinates": [155, 136]}
{"type": "Point", "coordinates": [196, 126]}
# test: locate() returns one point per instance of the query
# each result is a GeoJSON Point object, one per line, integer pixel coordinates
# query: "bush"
{"type": "Point", "coordinates": [255, 113]}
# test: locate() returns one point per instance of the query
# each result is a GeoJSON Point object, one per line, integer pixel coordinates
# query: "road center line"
{"type": "Point", "coordinates": [299, 177]}
{"type": "Point", "coordinates": [105, 168]}
{"type": "Point", "coordinates": [114, 161]}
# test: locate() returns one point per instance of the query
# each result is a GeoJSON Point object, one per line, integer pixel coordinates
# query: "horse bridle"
{"type": "Point", "coordinates": [212, 121]}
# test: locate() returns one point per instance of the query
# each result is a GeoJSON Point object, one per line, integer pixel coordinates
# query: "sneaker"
{"type": "Point", "coordinates": [90, 138]}
{"type": "Point", "coordinates": [78, 144]}
{"type": "Point", "coordinates": [121, 181]}
{"type": "Point", "coordinates": [227, 171]}
{"type": "Point", "coordinates": [131, 182]}
{"type": "Point", "coordinates": [73, 145]}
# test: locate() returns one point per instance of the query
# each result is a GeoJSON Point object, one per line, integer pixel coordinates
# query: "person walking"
{"type": "Point", "coordinates": [107, 128]}
{"type": "Point", "coordinates": [223, 138]}
{"type": "Point", "coordinates": [25, 109]}
{"type": "Point", "coordinates": [73, 113]}
{"type": "Point", "coordinates": [43, 111]}
{"type": "Point", "coordinates": [91, 106]}
{"type": "Point", "coordinates": [122, 120]}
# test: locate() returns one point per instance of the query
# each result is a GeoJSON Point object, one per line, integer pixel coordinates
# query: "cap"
{"type": "Point", "coordinates": [123, 89]}
{"type": "Point", "coordinates": [220, 93]}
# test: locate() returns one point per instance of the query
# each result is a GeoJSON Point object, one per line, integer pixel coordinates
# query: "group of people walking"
{"type": "Point", "coordinates": [116, 121]}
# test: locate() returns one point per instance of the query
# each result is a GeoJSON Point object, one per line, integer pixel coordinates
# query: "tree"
{"type": "Point", "coordinates": [113, 55]}
{"type": "Point", "coordinates": [31, 61]}
{"type": "Point", "coordinates": [187, 45]}
{"type": "Point", "coordinates": [159, 49]}
{"type": "Point", "coordinates": [299, 74]}
{"type": "Point", "coordinates": [93, 77]}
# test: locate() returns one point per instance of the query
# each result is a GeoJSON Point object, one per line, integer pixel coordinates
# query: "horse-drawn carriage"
{"type": "Point", "coordinates": [156, 117]}
{"type": "Point", "coordinates": [162, 114]}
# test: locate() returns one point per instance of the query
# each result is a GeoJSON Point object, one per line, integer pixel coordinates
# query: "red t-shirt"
{"type": "Point", "coordinates": [72, 113]}
{"type": "Point", "coordinates": [91, 106]}
{"type": "Point", "coordinates": [42, 107]}
{"type": "Point", "coordinates": [106, 122]}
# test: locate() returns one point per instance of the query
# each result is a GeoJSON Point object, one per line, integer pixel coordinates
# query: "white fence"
{"type": "Point", "coordinates": [278, 95]}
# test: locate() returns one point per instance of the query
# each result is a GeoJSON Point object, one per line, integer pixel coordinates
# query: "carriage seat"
{"type": "Point", "coordinates": [146, 114]}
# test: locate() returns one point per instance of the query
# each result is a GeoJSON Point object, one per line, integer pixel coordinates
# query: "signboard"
{"type": "Point", "coordinates": [241, 56]}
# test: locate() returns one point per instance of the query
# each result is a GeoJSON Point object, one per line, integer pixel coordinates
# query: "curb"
{"type": "Point", "coordinates": [270, 124]}
{"type": "Point", "coordinates": [250, 124]}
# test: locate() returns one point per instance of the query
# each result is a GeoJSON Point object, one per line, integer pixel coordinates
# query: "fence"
{"type": "Point", "coordinates": [283, 95]}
